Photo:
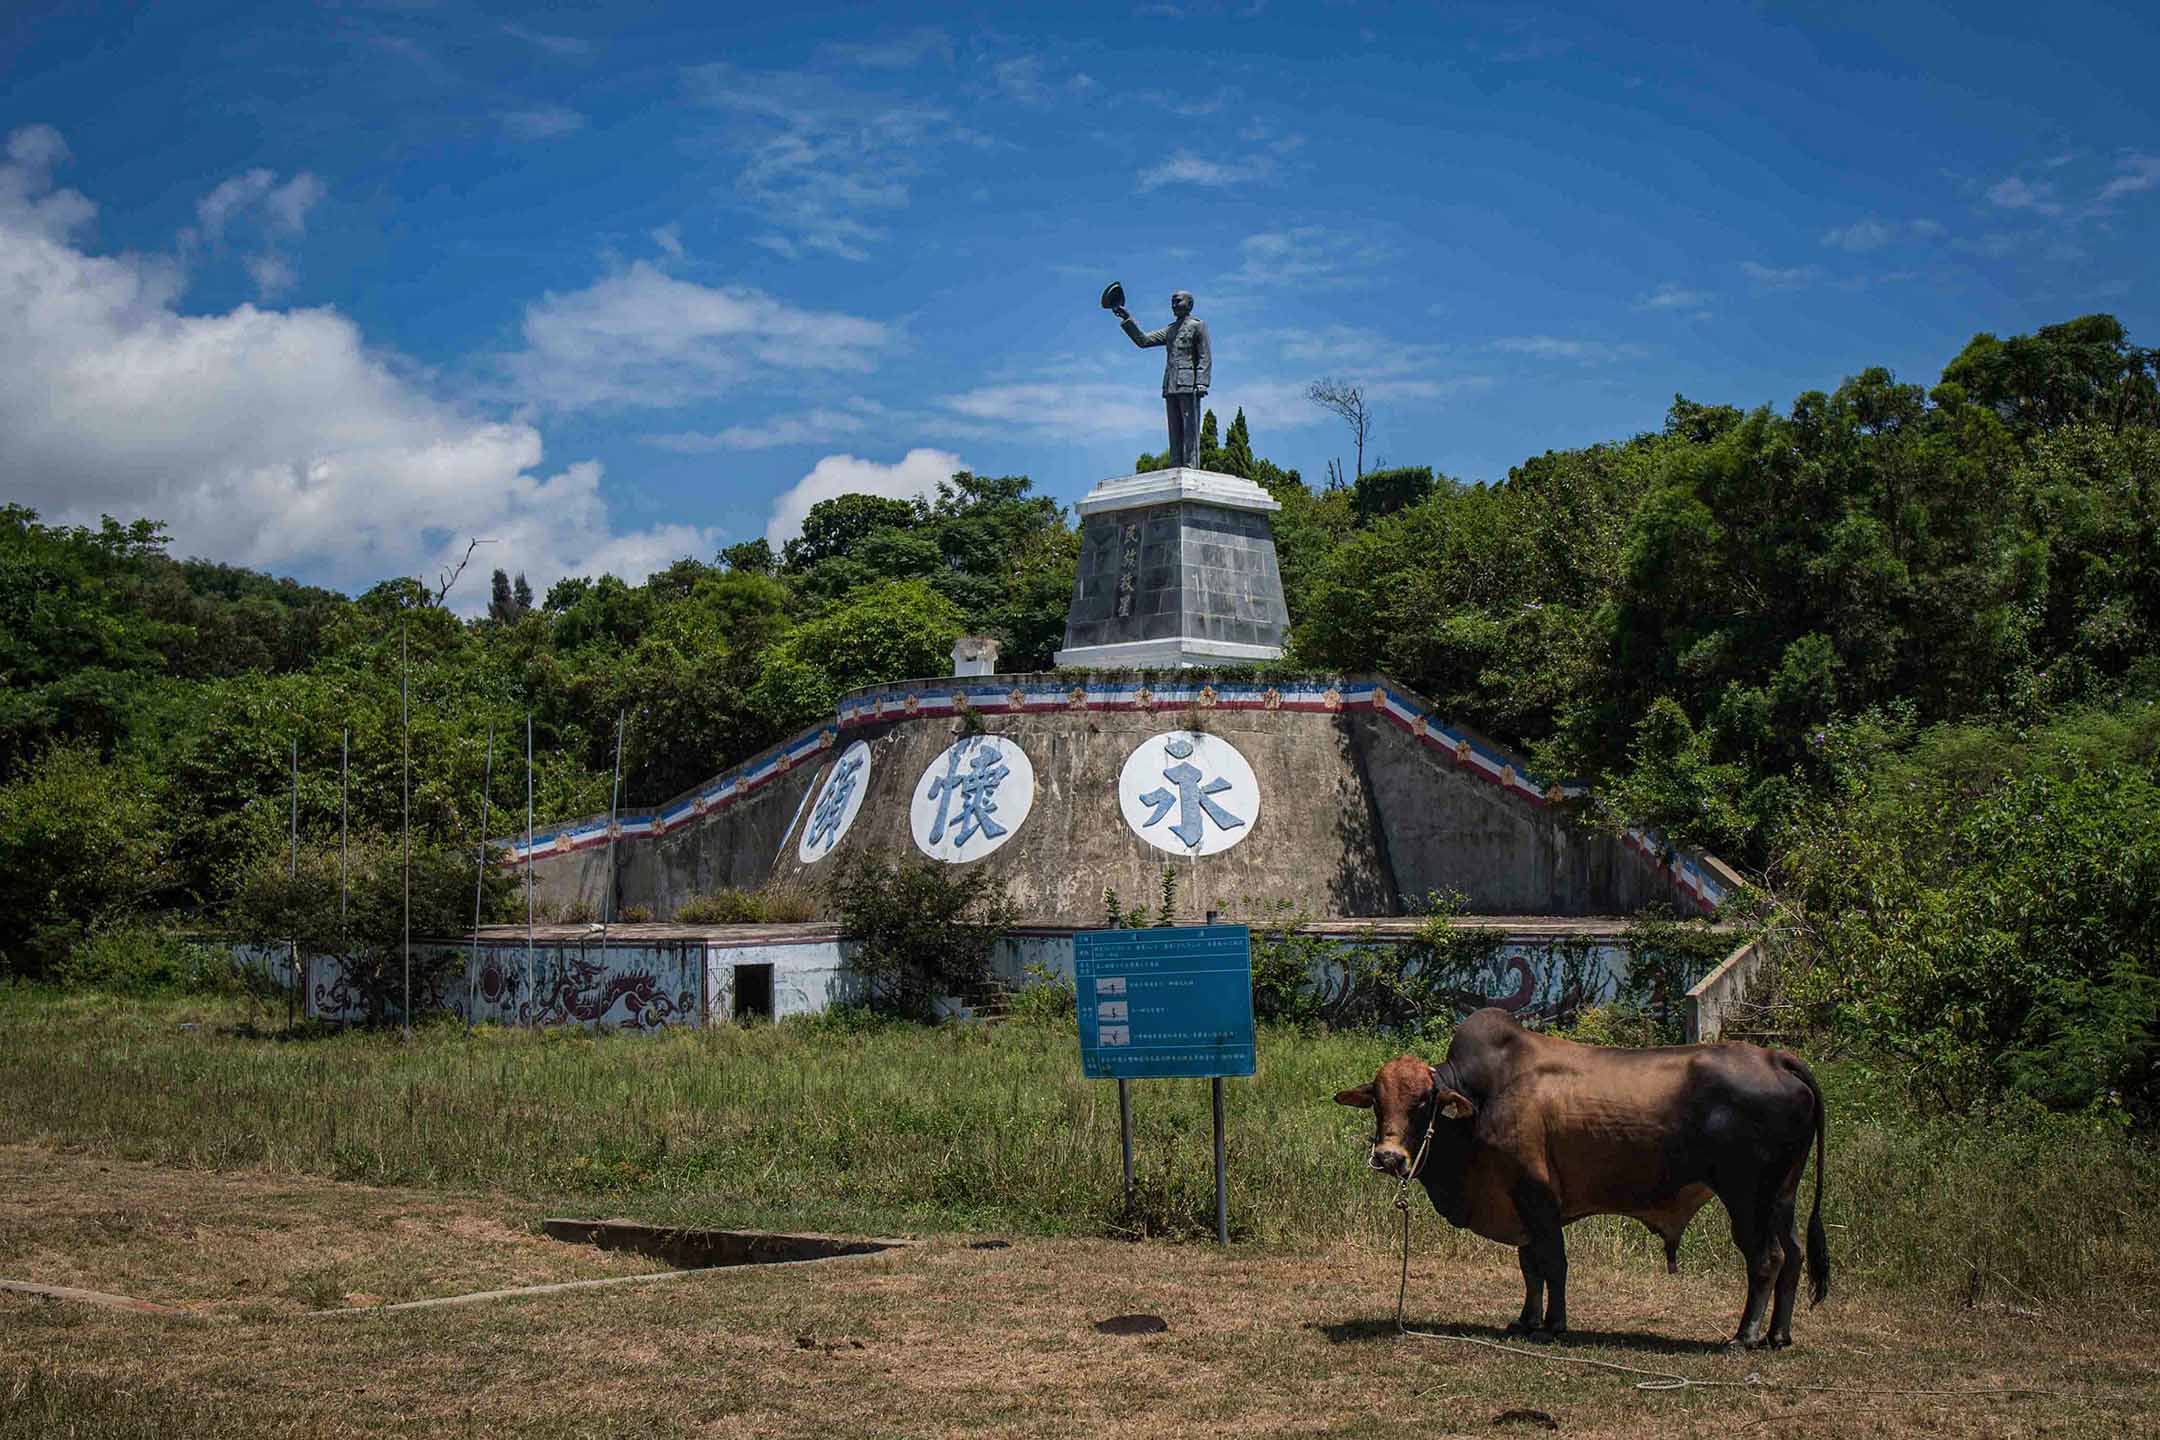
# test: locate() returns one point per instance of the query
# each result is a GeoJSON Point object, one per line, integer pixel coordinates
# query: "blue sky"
{"type": "Point", "coordinates": [331, 288]}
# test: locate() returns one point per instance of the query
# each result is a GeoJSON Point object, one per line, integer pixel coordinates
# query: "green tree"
{"type": "Point", "coordinates": [80, 846]}
{"type": "Point", "coordinates": [1237, 452]}
{"type": "Point", "coordinates": [834, 526]}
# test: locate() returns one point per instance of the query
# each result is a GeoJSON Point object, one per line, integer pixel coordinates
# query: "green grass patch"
{"type": "Point", "coordinates": [861, 1125]}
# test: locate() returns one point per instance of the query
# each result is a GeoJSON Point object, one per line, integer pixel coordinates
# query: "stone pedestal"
{"type": "Point", "coordinates": [1177, 567]}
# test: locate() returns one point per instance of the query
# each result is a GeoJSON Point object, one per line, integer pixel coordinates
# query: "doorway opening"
{"type": "Point", "coordinates": [753, 992]}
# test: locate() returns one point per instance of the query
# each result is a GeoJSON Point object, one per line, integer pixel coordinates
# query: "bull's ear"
{"type": "Point", "coordinates": [1455, 1105]}
{"type": "Point", "coordinates": [1360, 1097]}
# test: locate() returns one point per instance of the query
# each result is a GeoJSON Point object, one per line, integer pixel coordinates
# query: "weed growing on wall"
{"type": "Point", "coordinates": [773, 905]}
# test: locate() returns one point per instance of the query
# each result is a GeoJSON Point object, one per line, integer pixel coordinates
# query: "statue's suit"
{"type": "Point", "coordinates": [1188, 366]}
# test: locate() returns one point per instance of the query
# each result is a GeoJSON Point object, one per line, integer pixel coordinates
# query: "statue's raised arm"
{"type": "Point", "coordinates": [1188, 367]}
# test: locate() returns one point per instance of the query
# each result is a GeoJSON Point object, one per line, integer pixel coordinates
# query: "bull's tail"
{"type": "Point", "coordinates": [1818, 1245]}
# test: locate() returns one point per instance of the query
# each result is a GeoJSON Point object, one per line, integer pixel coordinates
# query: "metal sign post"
{"type": "Point", "coordinates": [1165, 1003]}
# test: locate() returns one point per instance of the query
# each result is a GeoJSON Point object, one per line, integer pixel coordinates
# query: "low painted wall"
{"type": "Point", "coordinates": [647, 984]}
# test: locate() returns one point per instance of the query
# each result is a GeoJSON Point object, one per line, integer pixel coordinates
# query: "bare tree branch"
{"type": "Point", "coordinates": [1348, 402]}
{"type": "Point", "coordinates": [442, 591]}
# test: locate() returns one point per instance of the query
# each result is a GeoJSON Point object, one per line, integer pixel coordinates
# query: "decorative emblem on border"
{"type": "Point", "coordinates": [1017, 699]}
{"type": "Point", "coordinates": [1507, 776]}
{"type": "Point", "coordinates": [1462, 752]}
{"type": "Point", "coordinates": [1331, 698]}
{"type": "Point", "coordinates": [1420, 726]}
{"type": "Point", "coordinates": [1379, 698]}
{"type": "Point", "coordinates": [1144, 698]}
{"type": "Point", "coordinates": [912, 704]}
{"type": "Point", "coordinates": [959, 700]}
{"type": "Point", "coordinates": [1077, 700]}
{"type": "Point", "coordinates": [1272, 699]}
{"type": "Point", "coordinates": [1207, 697]}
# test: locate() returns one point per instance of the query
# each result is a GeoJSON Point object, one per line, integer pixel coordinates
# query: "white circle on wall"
{"type": "Point", "coordinates": [972, 799]}
{"type": "Point", "coordinates": [1189, 793]}
{"type": "Point", "coordinates": [837, 801]}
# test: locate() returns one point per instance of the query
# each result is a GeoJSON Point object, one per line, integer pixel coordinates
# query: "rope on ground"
{"type": "Point", "coordinates": [1654, 1380]}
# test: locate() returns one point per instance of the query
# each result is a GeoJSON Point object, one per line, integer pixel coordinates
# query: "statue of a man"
{"type": "Point", "coordinates": [1188, 364]}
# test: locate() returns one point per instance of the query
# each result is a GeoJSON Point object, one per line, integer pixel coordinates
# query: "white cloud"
{"type": "Point", "coordinates": [1860, 236]}
{"type": "Point", "coordinates": [1775, 277]}
{"type": "Point", "coordinates": [562, 46]}
{"type": "Point", "coordinates": [1671, 296]}
{"type": "Point", "coordinates": [1302, 256]}
{"type": "Point", "coordinates": [818, 158]}
{"type": "Point", "coordinates": [1071, 408]}
{"type": "Point", "coordinates": [27, 196]}
{"type": "Point", "coordinates": [541, 122]}
{"type": "Point", "coordinates": [289, 203]}
{"type": "Point", "coordinates": [669, 239]}
{"type": "Point", "coordinates": [2140, 172]}
{"type": "Point", "coordinates": [811, 427]}
{"type": "Point", "coordinates": [2015, 193]}
{"type": "Point", "coordinates": [641, 339]}
{"type": "Point", "coordinates": [279, 212]}
{"type": "Point", "coordinates": [1185, 168]}
{"type": "Point", "coordinates": [272, 274]}
{"type": "Point", "coordinates": [898, 52]}
{"type": "Point", "coordinates": [1021, 78]}
{"type": "Point", "coordinates": [283, 206]}
{"type": "Point", "coordinates": [1554, 347]}
{"type": "Point", "coordinates": [919, 472]}
{"type": "Point", "coordinates": [275, 438]}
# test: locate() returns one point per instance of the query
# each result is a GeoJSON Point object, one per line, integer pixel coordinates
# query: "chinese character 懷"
{"type": "Point", "coordinates": [977, 790]}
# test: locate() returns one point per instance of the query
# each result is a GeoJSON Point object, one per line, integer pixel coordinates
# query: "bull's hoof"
{"type": "Point", "coordinates": [1540, 1336]}
{"type": "Point", "coordinates": [1521, 1327]}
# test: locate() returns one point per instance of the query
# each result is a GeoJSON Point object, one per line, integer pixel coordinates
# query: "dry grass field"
{"type": "Point", "coordinates": [938, 1338]}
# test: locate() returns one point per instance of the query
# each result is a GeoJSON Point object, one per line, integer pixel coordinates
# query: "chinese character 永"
{"type": "Point", "coordinates": [1191, 797]}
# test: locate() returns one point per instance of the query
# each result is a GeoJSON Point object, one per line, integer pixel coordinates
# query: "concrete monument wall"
{"type": "Point", "coordinates": [1345, 797]}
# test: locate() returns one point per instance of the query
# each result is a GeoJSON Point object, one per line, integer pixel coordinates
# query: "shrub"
{"type": "Point", "coordinates": [1989, 935]}
{"type": "Point", "coordinates": [81, 846]}
{"type": "Point", "coordinates": [921, 929]}
{"type": "Point", "coordinates": [577, 911]}
{"type": "Point", "coordinates": [1616, 1024]}
{"type": "Point", "coordinates": [636, 915]}
{"type": "Point", "coordinates": [141, 960]}
{"type": "Point", "coordinates": [1047, 998]}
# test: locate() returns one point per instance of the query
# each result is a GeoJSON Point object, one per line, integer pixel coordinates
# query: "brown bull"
{"type": "Point", "coordinates": [1522, 1134]}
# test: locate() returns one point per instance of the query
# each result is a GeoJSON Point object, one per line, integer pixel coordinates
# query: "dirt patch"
{"type": "Point", "coordinates": [243, 1243]}
{"type": "Point", "coordinates": [941, 1339]}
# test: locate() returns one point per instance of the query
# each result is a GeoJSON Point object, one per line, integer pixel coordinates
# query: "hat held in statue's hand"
{"type": "Point", "coordinates": [1113, 296]}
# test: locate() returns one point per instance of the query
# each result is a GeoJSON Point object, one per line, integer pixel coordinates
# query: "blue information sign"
{"type": "Point", "coordinates": [1173, 1001]}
